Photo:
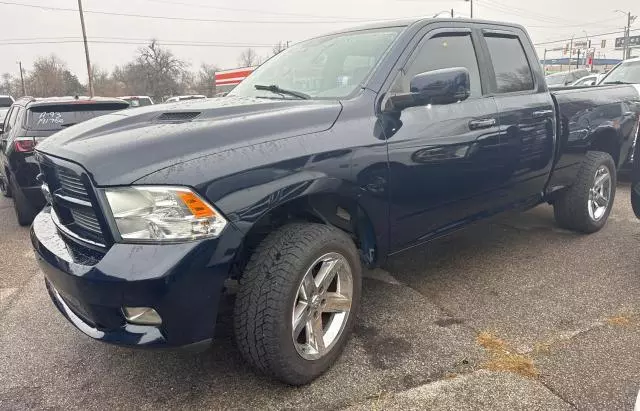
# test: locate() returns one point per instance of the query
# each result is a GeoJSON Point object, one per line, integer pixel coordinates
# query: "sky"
{"type": "Point", "coordinates": [231, 26]}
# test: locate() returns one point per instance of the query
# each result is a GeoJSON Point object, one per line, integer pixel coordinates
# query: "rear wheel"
{"type": "Point", "coordinates": [4, 186]}
{"type": "Point", "coordinates": [24, 211]}
{"type": "Point", "coordinates": [587, 204]}
{"type": "Point", "coordinates": [297, 301]}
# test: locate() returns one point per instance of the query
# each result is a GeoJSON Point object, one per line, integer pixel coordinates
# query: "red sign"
{"type": "Point", "coordinates": [232, 77]}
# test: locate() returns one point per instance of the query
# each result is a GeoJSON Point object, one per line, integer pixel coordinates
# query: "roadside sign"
{"type": "Point", "coordinates": [634, 42]}
{"type": "Point", "coordinates": [580, 44]}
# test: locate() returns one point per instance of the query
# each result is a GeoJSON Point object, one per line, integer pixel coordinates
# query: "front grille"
{"type": "Point", "coordinates": [71, 184]}
{"type": "Point", "coordinates": [178, 116]}
{"type": "Point", "coordinates": [87, 220]}
{"type": "Point", "coordinates": [72, 200]}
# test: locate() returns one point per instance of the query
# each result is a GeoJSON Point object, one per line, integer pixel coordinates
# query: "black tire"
{"type": "Point", "coordinates": [24, 211]}
{"type": "Point", "coordinates": [571, 208]}
{"type": "Point", "coordinates": [268, 289]}
{"type": "Point", "coordinates": [5, 189]}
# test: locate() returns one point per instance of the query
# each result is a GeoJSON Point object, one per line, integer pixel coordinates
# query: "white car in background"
{"type": "Point", "coordinates": [626, 72]}
{"type": "Point", "coordinates": [590, 80]}
{"type": "Point", "coordinates": [137, 101]}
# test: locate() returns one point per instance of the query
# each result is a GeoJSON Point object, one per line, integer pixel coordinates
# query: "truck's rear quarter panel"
{"type": "Point", "coordinates": [603, 118]}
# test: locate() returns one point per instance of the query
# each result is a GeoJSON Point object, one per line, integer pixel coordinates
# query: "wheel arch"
{"type": "Point", "coordinates": [330, 208]}
{"type": "Point", "coordinates": [607, 140]}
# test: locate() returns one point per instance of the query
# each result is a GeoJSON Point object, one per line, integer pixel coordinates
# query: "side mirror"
{"type": "Point", "coordinates": [444, 86]}
{"type": "Point", "coordinates": [1, 128]}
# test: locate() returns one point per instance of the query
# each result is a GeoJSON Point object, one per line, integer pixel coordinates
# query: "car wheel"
{"type": "Point", "coordinates": [4, 186]}
{"type": "Point", "coordinates": [297, 301]}
{"type": "Point", "coordinates": [587, 204]}
{"type": "Point", "coordinates": [24, 211]}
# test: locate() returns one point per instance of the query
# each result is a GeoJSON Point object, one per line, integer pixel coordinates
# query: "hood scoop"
{"type": "Point", "coordinates": [178, 116]}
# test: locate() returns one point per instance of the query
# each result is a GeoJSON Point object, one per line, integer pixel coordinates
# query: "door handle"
{"type": "Point", "coordinates": [482, 123]}
{"type": "Point", "coordinates": [542, 113]}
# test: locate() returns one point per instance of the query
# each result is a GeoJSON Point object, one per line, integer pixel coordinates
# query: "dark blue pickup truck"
{"type": "Point", "coordinates": [333, 155]}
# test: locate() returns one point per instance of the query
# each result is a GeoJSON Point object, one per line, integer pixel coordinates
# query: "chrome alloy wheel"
{"type": "Point", "coordinates": [600, 194]}
{"type": "Point", "coordinates": [322, 306]}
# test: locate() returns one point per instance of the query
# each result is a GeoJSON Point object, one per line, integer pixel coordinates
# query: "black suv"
{"type": "Point", "coordinates": [28, 122]}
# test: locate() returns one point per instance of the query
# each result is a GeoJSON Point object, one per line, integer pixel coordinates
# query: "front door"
{"type": "Point", "coordinates": [443, 169]}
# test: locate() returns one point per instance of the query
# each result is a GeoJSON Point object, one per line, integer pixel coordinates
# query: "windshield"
{"type": "Point", "coordinates": [57, 117]}
{"type": "Point", "coordinates": [556, 79]}
{"type": "Point", "coordinates": [327, 67]}
{"type": "Point", "coordinates": [628, 72]}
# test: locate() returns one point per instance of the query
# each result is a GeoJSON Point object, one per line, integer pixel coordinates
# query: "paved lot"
{"type": "Point", "coordinates": [512, 314]}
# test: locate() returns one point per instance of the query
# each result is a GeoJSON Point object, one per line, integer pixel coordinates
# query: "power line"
{"type": "Point", "coordinates": [192, 19]}
{"type": "Point", "coordinates": [39, 40]}
{"type": "Point", "coordinates": [591, 35]}
{"type": "Point", "coordinates": [222, 45]}
{"type": "Point", "coordinates": [274, 13]}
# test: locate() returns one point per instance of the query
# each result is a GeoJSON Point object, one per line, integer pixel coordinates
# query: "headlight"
{"type": "Point", "coordinates": [163, 214]}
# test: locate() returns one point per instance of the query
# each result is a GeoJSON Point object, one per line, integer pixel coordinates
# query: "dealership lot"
{"type": "Point", "coordinates": [514, 313]}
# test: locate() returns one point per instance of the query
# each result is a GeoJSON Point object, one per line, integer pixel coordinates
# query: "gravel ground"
{"type": "Point", "coordinates": [509, 314]}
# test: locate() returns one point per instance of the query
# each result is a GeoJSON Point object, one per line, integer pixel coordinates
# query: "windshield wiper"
{"type": "Point", "coordinates": [616, 82]}
{"type": "Point", "coordinates": [275, 89]}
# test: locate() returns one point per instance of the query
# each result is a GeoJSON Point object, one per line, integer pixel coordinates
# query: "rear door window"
{"type": "Point", "coordinates": [510, 64]}
{"type": "Point", "coordinates": [57, 117]}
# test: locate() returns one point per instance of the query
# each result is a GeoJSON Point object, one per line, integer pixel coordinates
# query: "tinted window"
{"type": "Point", "coordinates": [3, 113]}
{"type": "Point", "coordinates": [56, 117]}
{"type": "Point", "coordinates": [440, 53]}
{"type": "Point", "coordinates": [5, 102]}
{"type": "Point", "coordinates": [510, 64]}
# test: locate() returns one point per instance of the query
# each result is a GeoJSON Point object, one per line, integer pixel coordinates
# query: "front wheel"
{"type": "Point", "coordinates": [587, 204]}
{"type": "Point", "coordinates": [297, 301]}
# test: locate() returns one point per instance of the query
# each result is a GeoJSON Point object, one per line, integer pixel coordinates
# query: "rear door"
{"type": "Point", "coordinates": [526, 114]}
{"type": "Point", "coordinates": [635, 179]}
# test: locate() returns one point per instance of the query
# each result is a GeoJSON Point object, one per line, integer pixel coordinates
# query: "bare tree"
{"type": "Point", "coordinates": [206, 80]}
{"type": "Point", "coordinates": [50, 77]}
{"type": "Point", "coordinates": [279, 48]}
{"type": "Point", "coordinates": [248, 58]}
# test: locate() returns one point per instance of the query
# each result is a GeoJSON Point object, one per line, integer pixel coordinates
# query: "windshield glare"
{"type": "Point", "coordinates": [625, 73]}
{"type": "Point", "coordinates": [328, 67]}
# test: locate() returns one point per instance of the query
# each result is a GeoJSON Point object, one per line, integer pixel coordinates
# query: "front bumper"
{"type": "Point", "coordinates": [184, 283]}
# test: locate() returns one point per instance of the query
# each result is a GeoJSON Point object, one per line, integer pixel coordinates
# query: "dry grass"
{"type": "Point", "coordinates": [502, 359]}
{"type": "Point", "coordinates": [621, 319]}
{"type": "Point", "coordinates": [490, 341]}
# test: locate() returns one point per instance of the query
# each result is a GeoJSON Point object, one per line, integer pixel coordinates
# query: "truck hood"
{"type": "Point", "coordinates": [122, 147]}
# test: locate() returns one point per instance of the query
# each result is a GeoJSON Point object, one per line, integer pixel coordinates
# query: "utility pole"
{"type": "Point", "coordinates": [470, 1]}
{"type": "Point", "coordinates": [451, 13]}
{"type": "Point", "coordinates": [570, 52]}
{"type": "Point", "coordinates": [544, 62]}
{"type": "Point", "coordinates": [86, 48]}
{"type": "Point", "coordinates": [24, 90]}
{"type": "Point", "coordinates": [626, 50]}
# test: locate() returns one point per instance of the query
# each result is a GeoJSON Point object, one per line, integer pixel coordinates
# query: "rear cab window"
{"type": "Point", "coordinates": [512, 70]}
{"type": "Point", "coordinates": [59, 116]}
